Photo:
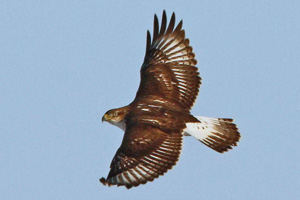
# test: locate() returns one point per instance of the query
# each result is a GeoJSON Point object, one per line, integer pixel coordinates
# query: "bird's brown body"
{"type": "Point", "coordinates": [155, 122]}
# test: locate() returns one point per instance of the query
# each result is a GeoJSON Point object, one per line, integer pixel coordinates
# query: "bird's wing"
{"type": "Point", "coordinates": [169, 66]}
{"type": "Point", "coordinates": [146, 152]}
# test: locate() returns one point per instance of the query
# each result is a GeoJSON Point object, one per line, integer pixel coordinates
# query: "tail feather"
{"type": "Point", "coordinates": [220, 134]}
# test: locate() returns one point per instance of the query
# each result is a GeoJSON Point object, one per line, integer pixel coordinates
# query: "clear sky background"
{"type": "Point", "coordinates": [64, 63]}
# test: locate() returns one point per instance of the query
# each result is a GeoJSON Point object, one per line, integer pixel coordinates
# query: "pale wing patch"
{"type": "Point", "coordinates": [217, 133]}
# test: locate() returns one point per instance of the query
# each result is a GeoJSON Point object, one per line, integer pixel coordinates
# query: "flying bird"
{"type": "Point", "coordinates": [159, 116]}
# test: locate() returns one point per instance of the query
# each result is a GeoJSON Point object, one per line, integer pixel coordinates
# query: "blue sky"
{"type": "Point", "coordinates": [64, 63]}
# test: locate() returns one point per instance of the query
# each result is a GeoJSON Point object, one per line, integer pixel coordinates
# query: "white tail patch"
{"type": "Point", "coordinates": [217, 133]}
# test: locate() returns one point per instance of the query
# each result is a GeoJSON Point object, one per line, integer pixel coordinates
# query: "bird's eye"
{"type": "Point", "coordinates": [115, 114]}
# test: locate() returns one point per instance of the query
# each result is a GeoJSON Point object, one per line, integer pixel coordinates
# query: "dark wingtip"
{"type": "Point", "coordinates": [163, 23]}
{"type": "Point", "coordinates": [103, 181]}
{"type": "Point", "coordinates": [173, 17]}
{"type": "Point", "coordinates": [171, 24]}
{"type": "Point", "coordinates": [148, 43]}
{"type": "Point", "coordinates": [179, 27]}
{"type": "Point", "coordinates": [155, 28]}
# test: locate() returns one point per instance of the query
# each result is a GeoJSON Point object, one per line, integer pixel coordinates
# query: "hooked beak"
{"type": "Point", "coordinates": [104, 118]}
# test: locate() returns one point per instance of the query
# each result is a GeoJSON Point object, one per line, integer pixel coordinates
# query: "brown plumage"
{"type": "Point", "coordinates": [155, 122]}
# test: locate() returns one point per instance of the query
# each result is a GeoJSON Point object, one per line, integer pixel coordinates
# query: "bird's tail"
{"type": "Point", "coordinates": [220, 134]}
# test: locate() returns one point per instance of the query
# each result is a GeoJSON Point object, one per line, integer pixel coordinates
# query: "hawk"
{"type": "Point", "coordinates": [159, 116]}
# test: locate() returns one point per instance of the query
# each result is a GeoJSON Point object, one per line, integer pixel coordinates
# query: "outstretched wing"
{"type": "Point", "coordinates": [146, 152]}
{"type": "Point", "coordinates": [169, 68]}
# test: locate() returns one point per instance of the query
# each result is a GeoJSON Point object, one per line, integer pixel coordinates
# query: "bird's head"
{"type": "Point", "coordinates": [114, 115]}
